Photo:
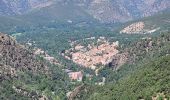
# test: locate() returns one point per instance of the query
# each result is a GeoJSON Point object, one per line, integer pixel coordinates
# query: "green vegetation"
{"type": "Point", "coordinates": [144, 75]}
{"type": "Point", "coordinates": [34, 85]}
{"type": "Point", "coordinates": [151, 79]}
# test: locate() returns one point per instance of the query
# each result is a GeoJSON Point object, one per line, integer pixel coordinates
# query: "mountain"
{"type": "Point", "coordinates": [23, 75]}
{"type": "Point", "coordinates": [107, 11]}
{"type": "Point", "coordinates": [18, 57]}
{"type": "Point", "coordinates": [14, 7]}
{"type": "Point", "coordinates": [14, 60]}
{"type": "Point", "coordinates": [123, 10]}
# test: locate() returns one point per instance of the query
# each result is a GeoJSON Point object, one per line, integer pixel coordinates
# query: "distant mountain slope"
{"type": "Point", "coordinates": [8, 7]}
{"type": "Point", "coordinates": [153, 24]}
{"type": "Point", "coordinates": [107, 11]}
{"type": "Point", "coordinates": [121, 10]}
{"type": "Point", "coordinates": [57, 12]}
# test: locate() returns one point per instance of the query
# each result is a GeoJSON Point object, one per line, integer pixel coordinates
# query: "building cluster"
{"type": "Point", "coordinates": [74, 75]}
{"type": "Point", "coordinates": [96, 55]}
{"type": "Point", "coordinates": [47, 57]}
{"type": "Point", "coordinates": [134, 28]}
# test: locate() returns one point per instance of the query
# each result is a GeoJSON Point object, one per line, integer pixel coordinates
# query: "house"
{"type": "Point", "coordinates": [76, 75]}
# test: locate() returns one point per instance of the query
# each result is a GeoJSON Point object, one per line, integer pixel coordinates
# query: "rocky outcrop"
{"type": "Point", "coordinates": [71, 95]}
{"type": "Point", "coordinates": [118, 60]}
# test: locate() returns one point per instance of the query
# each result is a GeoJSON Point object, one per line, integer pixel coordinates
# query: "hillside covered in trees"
{"type": "Point", "coordinates": [147, 77]}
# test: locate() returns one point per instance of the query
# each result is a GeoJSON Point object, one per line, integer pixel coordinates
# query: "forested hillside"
{"type": "Point", "coordinates": [23, 75]}
{"type": "Point", "coordinates": [146, 76]}
{"type": "Point", "coordinates": [152, 80]}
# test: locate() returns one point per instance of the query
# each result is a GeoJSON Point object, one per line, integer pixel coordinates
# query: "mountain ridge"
{"type": "Point", "coordinates": [106, 11]}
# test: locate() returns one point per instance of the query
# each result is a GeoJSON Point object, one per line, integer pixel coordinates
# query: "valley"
{"type": "Point", "coordinates": [84, 50]}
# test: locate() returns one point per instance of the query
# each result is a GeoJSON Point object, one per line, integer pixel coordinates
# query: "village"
{"type": "Point", "coordinates": [138, 28]}
{"type": "Point", "coordinates": [93, 55]}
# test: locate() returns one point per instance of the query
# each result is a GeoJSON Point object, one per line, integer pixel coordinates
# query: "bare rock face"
{"type": "Point", "coordinates": [73, 93]}
{"type": "Point", "coordinates": [118, 60]}
{"type": "Point", "coordinates": [14, 57]}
